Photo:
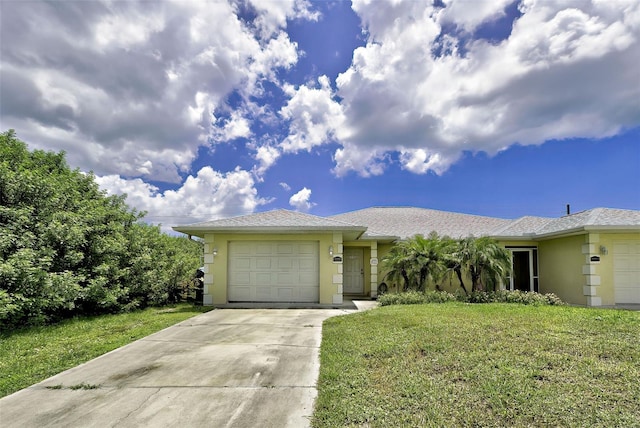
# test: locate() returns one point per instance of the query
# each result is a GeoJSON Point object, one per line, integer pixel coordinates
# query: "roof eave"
{"type": "Point", "coordinates": [587, 229]}
{"type": "Point", "coordinates": [523, 237]}
{"type": "Point", "coordinates": [197, 230]}
{"type": "Point", "coordinates": [380, 238]}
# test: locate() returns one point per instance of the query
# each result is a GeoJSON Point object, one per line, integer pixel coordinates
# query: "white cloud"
{"type": "Point", "coordinates": [285, 186]}
{"type": "Point", "coordinates": [313, 116]}
{"type": "Point", "coordinates": [568, 69]}
{"type": "Point", "coordinates": [279, 52]}
{"type": "Point", "coordinates": [236, 126]}
{"type": "Point", "coordinates": [273, 15]}
{"type": "Point", "coordinates": [300, 201]}
{"type": "Point", "coordinates": [266, 156]}
{"type": "Point", "coordinates": [205, 196]}
{"type": "Point", "coordinates": [458, 12]}
{"type": "Point", "coordinates": [365, 161]}
{"type": "Point", "coordinates": [131, 88]}
{"type": "Point", "coordinates": [419, 161]}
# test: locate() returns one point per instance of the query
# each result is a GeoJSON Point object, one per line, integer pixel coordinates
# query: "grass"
{"type": "Point", "coordinates": [480, 365]}
{"type": "Point", "coordinates": [30, 355]}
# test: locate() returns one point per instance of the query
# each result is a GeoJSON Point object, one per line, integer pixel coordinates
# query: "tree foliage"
{"type": "Point", "coordinates": [419, 260]}
{"type": "Point", "coordinates": [67, 249]}
{"type": "Point", "coordinates": [486, 261]}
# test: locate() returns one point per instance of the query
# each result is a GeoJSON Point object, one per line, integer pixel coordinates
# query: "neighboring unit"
{"type": "Point", "coordinates": [590, 258]}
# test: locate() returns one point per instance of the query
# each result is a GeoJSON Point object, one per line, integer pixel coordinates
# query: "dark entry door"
{"type": "Point", "coordinates": [521, 271]}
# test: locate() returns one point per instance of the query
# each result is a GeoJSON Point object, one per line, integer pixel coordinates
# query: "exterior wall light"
{"type": "Point", "coordinates": [603, 250]}
{"type": "Point", "coordinates": [331, 250]}
{"type": "Point", "coordinates": [215, 252]}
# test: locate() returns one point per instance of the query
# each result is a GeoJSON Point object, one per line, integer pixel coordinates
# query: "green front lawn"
{"type": "Point", "coordinates": [459, 364]}
{"type": "Point", "coordinates": [30, 355]}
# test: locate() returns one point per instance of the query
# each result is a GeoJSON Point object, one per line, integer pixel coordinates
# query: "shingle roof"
{"type": "Point", "coordinates": [524, 226]}
{"type": "Point", "coordinates": [389, 223]}
{"type": "Point", "coordinates": [405, 222]}
{"type": "Point", "coordinates": [604, 218]}
{"type": "Point", "coordinates": [277, 220]}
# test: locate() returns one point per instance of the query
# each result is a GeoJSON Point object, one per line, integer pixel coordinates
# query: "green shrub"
{"type": "Point", "coordinates": [516, 296]}
{"type": "Point", "coordinates": [553, 300]}
{"type": "Point", "coordinates": [501, 296]}
{"type": "Point", "coordinates": [415, 297]}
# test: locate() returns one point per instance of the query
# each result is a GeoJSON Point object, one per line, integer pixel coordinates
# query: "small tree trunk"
{"type": "Point", "coordinates": [406, 280]}
{"type": "Point", "coordinates": [459, 275]}
{"type": "Point", "coordinates": [476, 284]}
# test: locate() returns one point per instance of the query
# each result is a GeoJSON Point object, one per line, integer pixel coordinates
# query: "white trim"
{"type": "Point", "coordinates": [594, 301]}
{"type": "Point", "coordinates": [593, 279]}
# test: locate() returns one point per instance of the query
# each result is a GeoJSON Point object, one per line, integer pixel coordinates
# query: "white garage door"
{"type": "Point", "coordinates": [626, 271]}
{"type": "Point", "coordinates": [273, 271]}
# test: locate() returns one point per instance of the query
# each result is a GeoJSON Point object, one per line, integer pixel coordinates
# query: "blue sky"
{"type": "Point", "coordinates": [201, 110]}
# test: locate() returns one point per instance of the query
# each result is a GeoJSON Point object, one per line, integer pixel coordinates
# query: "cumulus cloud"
{"type": "Point", "coordinates": [419, 161]}
{"type": "Point", "coordinates": [300, 201]}
{"type": "Point", "coordinates": [313, 116]}
{"type": "Point", "coordinates": [236, 126]}
{"type": "Point", "coordinates": [459, 13]}
{"type": "Point", "coordinates": [425, 87]}
{"type": "Point", "coordinates": [365, 161]}
{"type": "Point", "coordinates": [206, 196]}
{"type": "Point", "coordinates": [266, 156]}
{"type": "Point", "coordinates": [131, 88]}
{"type": "Point", "coordinates": [273, 15]}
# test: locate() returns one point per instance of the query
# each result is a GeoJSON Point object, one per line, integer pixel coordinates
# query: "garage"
{"type": "Point", "coordinates": [626, 271]}
{"type": "Point", "coordinates": [273, 271]}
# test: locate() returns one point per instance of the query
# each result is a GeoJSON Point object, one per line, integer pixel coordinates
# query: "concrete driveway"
{"type": "Point", "coordinates": [224, 368]}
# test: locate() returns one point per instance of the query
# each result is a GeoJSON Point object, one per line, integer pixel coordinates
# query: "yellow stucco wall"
{"type": "Point", "coordinates": [604, 269]}
{"type": "Point", "coordinates": [564, 265]}
{"type": "Point", "coordinates": [215, 278]}
{"type": "Point", "coordinates": [593, 283]}
{"type": "Point", "coordinates": [560, 262]}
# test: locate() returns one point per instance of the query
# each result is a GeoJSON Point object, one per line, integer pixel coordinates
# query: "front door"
{"type": "Point", "coordinates": [353, 271]}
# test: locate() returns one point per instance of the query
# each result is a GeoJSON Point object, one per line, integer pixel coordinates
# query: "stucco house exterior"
{"type": "Point", "coordinates": [591, 258]}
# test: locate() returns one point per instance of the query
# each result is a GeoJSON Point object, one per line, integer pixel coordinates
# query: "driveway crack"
{"type": "Point", "coordinates": [140, 406]}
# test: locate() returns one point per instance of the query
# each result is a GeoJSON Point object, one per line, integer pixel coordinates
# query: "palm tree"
{"type": "Point", "coordinates": [415, 261]}
{"type": "Point", "coordinates": [451, 261]}
{"type": "Point", "coordinates": [398, 263]}
{"type": "Point", "coordinates": [486, 261]}
{"type": "Point", "coordinates": [427, 259]}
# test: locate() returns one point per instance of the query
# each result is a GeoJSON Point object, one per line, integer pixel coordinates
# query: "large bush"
{"type": "Point", "coordinates": [66, 248]}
